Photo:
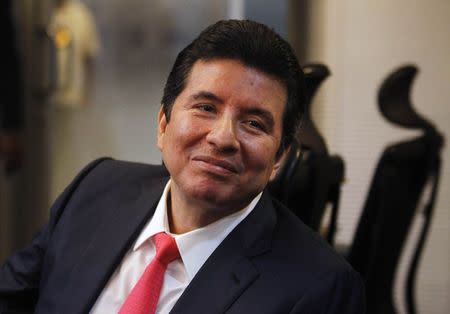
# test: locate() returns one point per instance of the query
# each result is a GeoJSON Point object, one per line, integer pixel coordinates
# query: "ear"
{"type": "Point", "coordinates": [278, 163]}
{"type": "Point", "coordinates": [162, 124]}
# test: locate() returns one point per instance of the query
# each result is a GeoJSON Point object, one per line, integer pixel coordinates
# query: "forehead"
{"type": "Point", "coordinates": [236, 83]}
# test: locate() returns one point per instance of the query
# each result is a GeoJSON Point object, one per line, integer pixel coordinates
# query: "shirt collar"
{"type": "Point", "coordinates": [197, 245]}
{"type": "Point", "coordinates": [158, 223]}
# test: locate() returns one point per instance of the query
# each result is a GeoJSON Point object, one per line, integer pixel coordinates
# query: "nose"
{"type": "Point", "coordinates": [223, 135]}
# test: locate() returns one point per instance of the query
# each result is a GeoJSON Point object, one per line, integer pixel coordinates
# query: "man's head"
{"type": "Point", "coordinates": [230, 109]}
{"type": "Point", "coordinates": [256, 46]}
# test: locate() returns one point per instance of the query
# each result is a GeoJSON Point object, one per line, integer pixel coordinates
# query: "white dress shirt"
{"type": "Point", "coordinates": [195, 247]}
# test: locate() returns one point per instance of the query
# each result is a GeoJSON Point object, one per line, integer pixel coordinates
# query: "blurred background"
{"type": "Point", "coordinates": [91, 75]}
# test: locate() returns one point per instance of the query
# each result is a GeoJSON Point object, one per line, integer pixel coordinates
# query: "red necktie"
{"type": "Point", "coordinates": [145, 294]}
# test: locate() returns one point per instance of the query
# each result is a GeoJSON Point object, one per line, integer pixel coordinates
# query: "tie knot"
{"type": "Point", "coordinates": [166, 248]}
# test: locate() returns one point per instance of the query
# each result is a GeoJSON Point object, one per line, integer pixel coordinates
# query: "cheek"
{"type": "Point", "coordinates": [183, 133]}
{"type": "Point", "coordinates": [182, 127]}
{"type": "Point", "coordinates": [260, 156]}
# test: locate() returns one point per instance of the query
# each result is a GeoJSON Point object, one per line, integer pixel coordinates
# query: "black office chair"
{"type": "Point", "coordinates": [400, 177]}
{"type": "Point", "coordinates": [310, 178]}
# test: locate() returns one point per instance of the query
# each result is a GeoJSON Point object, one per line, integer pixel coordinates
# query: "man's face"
{"type": "Point", "coordinates": [224, 131]}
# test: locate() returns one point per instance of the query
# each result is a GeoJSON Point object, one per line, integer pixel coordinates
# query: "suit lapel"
{"type": "Point", "coordinates": [229, 270]}
{"type": "Point", "coordinates": [110, 243]}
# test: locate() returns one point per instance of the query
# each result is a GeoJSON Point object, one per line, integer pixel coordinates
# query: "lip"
{"type": "Point", "coordinates": [219, 164]}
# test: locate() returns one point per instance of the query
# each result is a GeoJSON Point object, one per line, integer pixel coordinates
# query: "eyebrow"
{"type": "Point", "coordinates": [208, 96]}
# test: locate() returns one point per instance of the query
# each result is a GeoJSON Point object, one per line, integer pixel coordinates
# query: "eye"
{"type": "Point", "coordinates": [254, 124]}
{"type": "Point", "coordinates": [206, 107]}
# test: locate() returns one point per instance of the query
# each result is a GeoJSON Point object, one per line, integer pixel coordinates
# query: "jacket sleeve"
{"type": "Point", "coordinates": [20, 275]}
{"type": "Point", "coordinates": [341, 293]}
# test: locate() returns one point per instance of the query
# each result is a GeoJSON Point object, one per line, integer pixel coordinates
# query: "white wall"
{"type": "Point", "coordinates": [361, 42]}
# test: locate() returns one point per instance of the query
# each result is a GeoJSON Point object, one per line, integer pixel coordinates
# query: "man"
{"type": "Point", "coordinates": [229, 111]}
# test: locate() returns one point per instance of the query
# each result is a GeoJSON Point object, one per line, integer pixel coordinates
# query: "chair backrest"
{"type": "Point", "coordinates": [400, 177]}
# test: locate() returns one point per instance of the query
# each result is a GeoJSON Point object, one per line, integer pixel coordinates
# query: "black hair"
{"type": "Point", "coordinates": [255, 45]}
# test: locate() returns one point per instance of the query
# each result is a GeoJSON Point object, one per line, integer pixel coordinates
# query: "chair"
{"type": "Point", "coordinates": [400, 177]}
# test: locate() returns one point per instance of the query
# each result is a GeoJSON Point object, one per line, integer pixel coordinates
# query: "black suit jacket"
{"type": "Point", "coordinates": [270, 263]}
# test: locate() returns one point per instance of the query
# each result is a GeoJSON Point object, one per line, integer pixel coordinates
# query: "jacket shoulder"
{"type": "Point", "coordinates": [306, 254]}
{"type": "Point", "coordinates": [107, 171]}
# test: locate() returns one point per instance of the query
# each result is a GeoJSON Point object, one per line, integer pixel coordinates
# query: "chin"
{"type": "Point", "coordinates": [209, 194]}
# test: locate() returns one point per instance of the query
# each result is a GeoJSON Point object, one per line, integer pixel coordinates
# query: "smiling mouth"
{"type": "Point", "coordinates": [219, 166]}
